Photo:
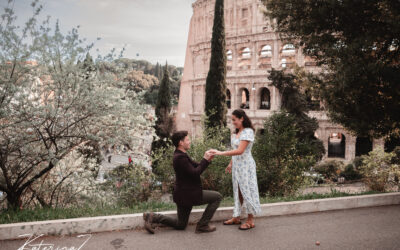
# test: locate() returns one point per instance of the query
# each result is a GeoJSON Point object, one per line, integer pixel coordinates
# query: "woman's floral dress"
{"type": "Point", "coordinates": [244, 175]}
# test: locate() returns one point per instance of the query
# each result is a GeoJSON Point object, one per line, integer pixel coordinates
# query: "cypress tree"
{"type": "Point", "coordinates": [88, 66]}
{"type": "Point", "coordinates": [164, 123]}
{"type": "Point", "coordinates": [215, 105]}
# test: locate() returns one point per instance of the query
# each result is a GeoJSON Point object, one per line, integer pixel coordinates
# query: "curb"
{"type": "Point", "coordinates": [135, 221]}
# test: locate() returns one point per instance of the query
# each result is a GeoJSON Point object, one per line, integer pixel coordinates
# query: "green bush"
{"type": "Point", "coordinates": [351, 173]}
{"type": "Point", "coordinates": [357, 162]}
{"type": "Point", "coordinates": [280, 158]}
{"type": "Point", "coordinates": [396, 157]}
{"type": "Point", "coordinates": [329, 169]}
{"type": "Point", "coordinates": [131, 184]}
{"type": "Point", "coordinates": [378, 170]}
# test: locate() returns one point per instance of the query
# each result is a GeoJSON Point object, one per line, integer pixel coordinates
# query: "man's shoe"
{"type": "Point", "coordinates": [205, 229]}
{"type": "Point", "coordinates": [148, 219]}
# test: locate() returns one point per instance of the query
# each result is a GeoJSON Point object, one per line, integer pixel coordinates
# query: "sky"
{"type": "Point", "coordinates": [157, 30]}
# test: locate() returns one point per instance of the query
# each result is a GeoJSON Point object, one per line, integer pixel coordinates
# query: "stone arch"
{"type": "Point", "coordinates": [288, 48]}
{"type": "Point", "coordinates": [228, 98]}
{"type": "Point", "coordinates": [264, 98]}
{"type": "Point", "coordinates": [245, 53]}
{"type": "Point", "coordinates": [337, 145]}
{"type": "Point", "coordinates": [266, 51]}
{"type": "Point", "coordinates": [243, 98]}
{"type": "Point", "coordinates": [229, 55]}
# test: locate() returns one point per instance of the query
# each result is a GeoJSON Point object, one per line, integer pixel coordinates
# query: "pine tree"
{"type": "Point", "coordinates": [88, 66]}
{"type": "Point", "coordinates": [215, 105]}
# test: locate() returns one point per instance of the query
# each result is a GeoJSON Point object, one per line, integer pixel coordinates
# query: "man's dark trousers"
{"type": "Point", "coordinates": [212, 198]}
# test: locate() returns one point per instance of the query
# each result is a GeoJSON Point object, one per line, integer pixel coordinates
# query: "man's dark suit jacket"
{"type": "Point", "coordinates": [188, 190]}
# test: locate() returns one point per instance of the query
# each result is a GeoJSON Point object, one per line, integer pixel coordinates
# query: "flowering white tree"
{"type": "Point", "coordinates": [51, 108]}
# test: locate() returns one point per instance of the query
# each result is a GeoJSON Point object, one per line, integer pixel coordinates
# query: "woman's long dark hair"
{"type": "Point", "coordinates": [239, 113]}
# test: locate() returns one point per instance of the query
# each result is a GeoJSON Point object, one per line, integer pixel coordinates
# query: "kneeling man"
{"type": "Point", "coordinates": [188, 191]}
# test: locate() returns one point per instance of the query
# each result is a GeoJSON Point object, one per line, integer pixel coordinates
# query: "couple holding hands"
{"type": "Point", "coordinates": [188, 190]}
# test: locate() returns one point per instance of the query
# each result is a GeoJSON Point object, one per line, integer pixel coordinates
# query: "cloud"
{"type": "Point", "coordinates": [156, 29]}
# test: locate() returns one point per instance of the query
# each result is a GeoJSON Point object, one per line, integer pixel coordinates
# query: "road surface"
{"type": "Point", "coordinates": [363, 228]}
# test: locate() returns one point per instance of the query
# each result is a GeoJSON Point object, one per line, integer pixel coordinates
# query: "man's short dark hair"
{"type": "Point", "coordinates": [178, 136]}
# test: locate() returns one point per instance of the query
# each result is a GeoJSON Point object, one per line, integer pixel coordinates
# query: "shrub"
{"type": "Point", "coordinates": [357, 162]}
{"type": "Point", "coordinates": [396, 157]}
{"type": "Point", "coordinates": [351, 173]}
{"type": "Point", "coordinates": [378, 170]}
{"type": "Point", "coordinates": [131, 184]}
{"type": "Point", "coordinates": [329, 169]}
{"type": "Point", "coordinates": [281, 162]}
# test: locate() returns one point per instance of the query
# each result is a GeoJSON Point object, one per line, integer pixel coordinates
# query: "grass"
{"type": "Point", "coordinates": [40, 214]}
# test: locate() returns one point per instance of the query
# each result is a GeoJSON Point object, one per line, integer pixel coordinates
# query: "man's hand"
{"type": "Point", "coordinates": [208, 156]}
{"type": "Point", "coordinates": [214, 152]}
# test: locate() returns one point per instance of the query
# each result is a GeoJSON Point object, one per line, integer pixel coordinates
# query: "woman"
{"type": "Point", "coordinates": [243, 169]}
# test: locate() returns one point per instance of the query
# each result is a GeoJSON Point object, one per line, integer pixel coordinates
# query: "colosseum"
{"type": "Point", "coordinates": [253, 48]}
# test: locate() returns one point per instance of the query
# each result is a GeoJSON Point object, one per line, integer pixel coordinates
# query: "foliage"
{"type": "Point", "coordinates": [165, 122]}
{"type": "Point", "coordinates": [294, 102]}
{"type": "Point", "coordinates": [378, 170]}
{"type": "Point", "coordinates": [396, 157]}
{"type": "Point", "coordinates": [281, 161]}
{"type": "Point", "coordinates": [131, 184]}
{"type": "Point", "coordinates": [139, 81]}
{"type": "Point", "coordinates": [329, 169]}
{"type": "Point", "coordinates": [351, 173]}
{"type": "Point", "coordinates": [357, 45]}
{"type": "Point", "coordinates": [215, 100]}
{"type": "Point", "coordinates": [50, 107]}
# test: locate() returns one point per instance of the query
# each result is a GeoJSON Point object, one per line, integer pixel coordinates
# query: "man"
{"type": "Point", "coordinates": [188, 191]}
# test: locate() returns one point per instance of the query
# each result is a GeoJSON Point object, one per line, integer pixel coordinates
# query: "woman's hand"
{"type": "Point", "coordinates": [215, 152]}
{"type": "Point", "coordinates": [228, 169]}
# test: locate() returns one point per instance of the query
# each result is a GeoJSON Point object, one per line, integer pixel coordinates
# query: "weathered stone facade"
{"type": "Point", "coordinates": [253, 48]}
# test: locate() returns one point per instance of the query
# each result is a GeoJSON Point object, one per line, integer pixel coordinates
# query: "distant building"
{"type": "Point", "coordinates": [253, 48]}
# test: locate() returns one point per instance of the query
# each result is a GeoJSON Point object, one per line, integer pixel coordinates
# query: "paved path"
{"type": "Point", "coordinates": [363, 228]}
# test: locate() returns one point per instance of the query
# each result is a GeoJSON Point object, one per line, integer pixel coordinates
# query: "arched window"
{"type": "Point", "coordinates": [246, 53]}
{"type": "Point", "coordinates": [288, 48]}
{"type": "Point", "coordinates": [228, 98]}
{"type": "Point", "coordinates": [283, 63]}
{"type": "Point", "coordinates": [265, 99]}
{"type": "Point", "coordinates": [244, 98]}
{"type": "Point", "coordinates": [266, 51]}
{"type": "Point", "coordinates": [336, 145]}
{"type": "Point", "coordinates": [229, 56]}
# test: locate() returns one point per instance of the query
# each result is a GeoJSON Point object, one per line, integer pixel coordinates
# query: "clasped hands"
{"type": "Point", "coordinates": [209, 154]}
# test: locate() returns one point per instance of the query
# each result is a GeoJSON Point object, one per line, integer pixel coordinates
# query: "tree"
{"type": "Point", "coordinates": [357, 44]}
{"type": "Point", "coordinates": [164, 124]}
{"type": "Point", "coordinates": [138, 81]}
{"type": "Point", "coordinates": [49, 109]}
{"type": "Point", "coordinates": [277, 152]}
{"type": "Point", "coordinates": [88, 66]}
{"type": "Point", "coordinates": [215, 105]}
{"type": "Point", "coordinates": [287, 147]}
{"type": "Point", "coordinates": [294, 102]}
